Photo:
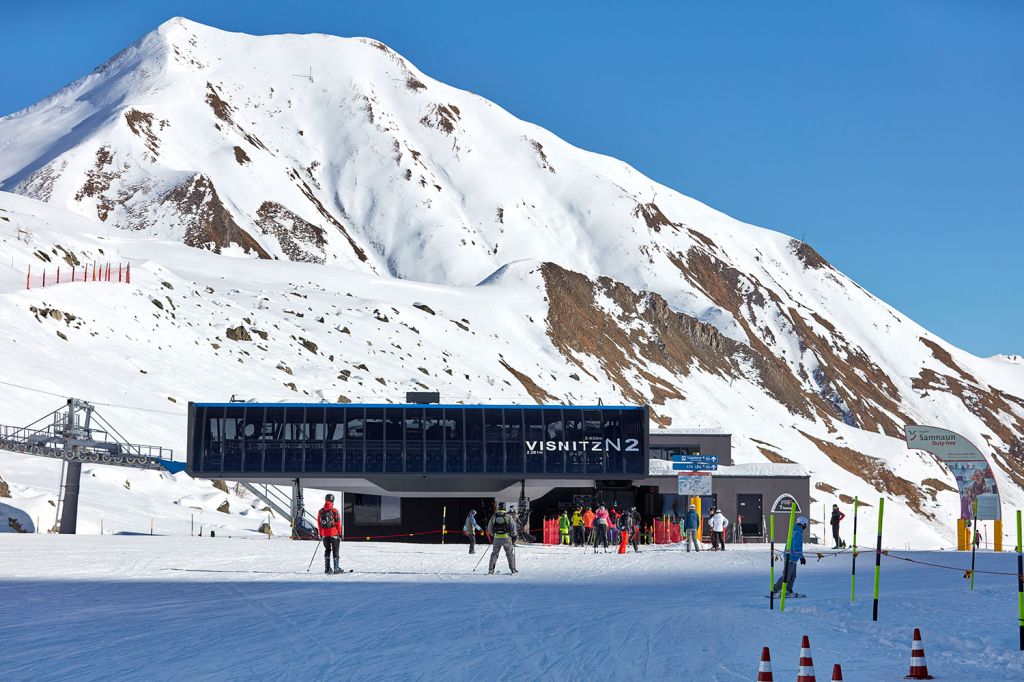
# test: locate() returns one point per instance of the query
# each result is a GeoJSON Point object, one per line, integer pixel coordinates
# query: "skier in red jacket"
{"type": "Point", "coordinates": [329, 523]}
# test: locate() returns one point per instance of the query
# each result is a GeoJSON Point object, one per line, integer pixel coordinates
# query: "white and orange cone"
{"type": "Point", "coordinates": [918, 666]}
{"type": "Point", "coordinates": [764, 669]}
{"type": "Point", "coordinates": [837, 673]}
{"type": "Point", "coordinates": [806, 670]}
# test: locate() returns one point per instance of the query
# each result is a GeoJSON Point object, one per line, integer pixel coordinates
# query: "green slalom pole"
{"type": "Point", "coordinates": [785, 565]}
{"type": "Point", "coordinates": [878, 558]}
{"type": "Point", "coordinates": [1020, 583]}
{"type": "Point", "coordinates": [771, 578]}
{"type": "Point", "coordinates": [853, 568]}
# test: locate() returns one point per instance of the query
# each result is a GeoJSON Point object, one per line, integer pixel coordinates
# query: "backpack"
{"type": "Point", "coordinates": [500, 524]}
{"type": "Point", "coordinates": [327, 519]}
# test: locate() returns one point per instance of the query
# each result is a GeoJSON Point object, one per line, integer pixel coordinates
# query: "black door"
{"type": "Point", "coordinates": [749, 509]}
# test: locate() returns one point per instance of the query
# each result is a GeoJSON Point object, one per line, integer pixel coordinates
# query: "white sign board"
{"type": "Point", "coordinates": [695, 483]}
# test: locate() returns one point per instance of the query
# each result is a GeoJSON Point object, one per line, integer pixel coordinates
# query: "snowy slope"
{"type": "Point", "coordinates": [219, 609]}
{"type": "Point", "coordinates": [420, 236]}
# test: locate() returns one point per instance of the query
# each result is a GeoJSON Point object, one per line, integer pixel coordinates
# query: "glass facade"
{"type": "Point", "coordinates": [334, 440]}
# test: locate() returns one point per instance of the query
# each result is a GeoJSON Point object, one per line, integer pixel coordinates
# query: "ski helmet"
{"type": "Point", "coordinates": [329, 497]}
{"type": "Point", "coordinates": [802, 521]}
{"type": "Point", "coordinates": [501, 506]}
{"type": "Point", "coordinates": [472, 512]}
{"type": "Point", "coordinates": [692, 506]}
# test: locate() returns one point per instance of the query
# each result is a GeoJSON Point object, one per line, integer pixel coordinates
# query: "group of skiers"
{"type": "Point", "coordinates": [586, 527]}
{"type": "Point", "coordinates": [600, 527]}
{"type": "Point", "coordinates": [691, 528]}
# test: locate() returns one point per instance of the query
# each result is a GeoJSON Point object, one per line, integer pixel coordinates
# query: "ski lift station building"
{"type": "Point", "coordinates": [403, 468]}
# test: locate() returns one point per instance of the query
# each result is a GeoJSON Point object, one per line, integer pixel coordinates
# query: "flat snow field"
{"type": "Point", "coordinates": [190, 608]}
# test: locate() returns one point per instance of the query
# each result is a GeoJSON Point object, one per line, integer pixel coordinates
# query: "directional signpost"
{"type": "Point", "coordinates": [697, 480]}
{"type": "Point", "coordinates": [694, 462]}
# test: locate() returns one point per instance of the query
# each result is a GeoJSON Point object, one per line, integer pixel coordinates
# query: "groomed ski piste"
{"type": "Point", "coordinates": [201, 608]}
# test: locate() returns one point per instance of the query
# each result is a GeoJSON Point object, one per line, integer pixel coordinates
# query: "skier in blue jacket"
{"type": "Point", "coordinates": [793, 556]}
{"type": "Point", "coordinates": [691, 524]}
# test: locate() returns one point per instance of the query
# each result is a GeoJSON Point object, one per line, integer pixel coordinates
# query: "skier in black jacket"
{"type": "Point", "coordinates": [837, 516]}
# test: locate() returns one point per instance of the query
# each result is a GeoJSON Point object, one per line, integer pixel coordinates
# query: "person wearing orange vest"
{"type": "Point", "coordinates": [588, 526]}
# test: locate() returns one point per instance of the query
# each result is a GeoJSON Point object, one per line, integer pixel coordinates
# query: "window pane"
{"type": "Point", "coordinates": [433, 428]}
{"type": "Point", "coordinates": [295, 438]}
{"type": "Point", "coordinates": [390, 510]}
{"type": "Point", "coordinates": [233, 438]}
{"type": "Point", "coordinates": [393, 423]}
{"type": "Point", "coordinates": [316, 430]}
{"type": "Point", "coordinates": [495, 458]}
{"type": "Point", "coordinates": [453, 425]}
{"type": "Point", "coordinates": [554, 462]}
{"type": "Point", "coordinates": [253, 432]}
{"type": "Point", "coordinates": [374, 439]}
{"type": "Point", "coordinates": [414, 440]}
{"type": "Point", "coordinates": [273, 434]}
{"type": "Point", "coordinates": [474, 441]}
{"type": "Point", "coordinates": [354, 430]}
{"type": "Point", "coordinates": [213, 455]}
{"type": "Point", "coordinates": [334, 435]}
{"type": "Point", "coordinates": [492, 425]}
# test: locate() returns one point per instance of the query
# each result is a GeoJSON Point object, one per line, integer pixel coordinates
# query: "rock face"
{"type": "Point", "coordinates": [530, 270]}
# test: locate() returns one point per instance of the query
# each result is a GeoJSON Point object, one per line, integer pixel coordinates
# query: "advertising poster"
{"type": "Point", "coordinates": [974, 477]}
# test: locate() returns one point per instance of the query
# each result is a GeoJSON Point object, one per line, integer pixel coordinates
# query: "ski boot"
{"type": "Point", "coordinates": [514, 571]}
{"type": "Point", "coordinates": [490, 571]}
{"type": "Point", "coordinates": [337, 567]}
{"type": "Point", "coordinates": [327, 566]}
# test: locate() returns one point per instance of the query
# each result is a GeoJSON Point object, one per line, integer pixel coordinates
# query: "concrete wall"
{"type": "Point", "coordinates": [727, 488]}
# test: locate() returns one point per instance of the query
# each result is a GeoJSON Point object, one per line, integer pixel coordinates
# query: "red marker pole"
{"type": "Point", "coordinates": [28, 278]}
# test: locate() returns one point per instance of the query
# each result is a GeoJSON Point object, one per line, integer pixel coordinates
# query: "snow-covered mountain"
{"type": "Point", "coordinates": [312, 216]}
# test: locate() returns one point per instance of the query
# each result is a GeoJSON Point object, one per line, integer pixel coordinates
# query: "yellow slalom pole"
{"type": "Point", "coordinates": [878, 558]}
{"type": "Point", "coordinates": [444, 522]}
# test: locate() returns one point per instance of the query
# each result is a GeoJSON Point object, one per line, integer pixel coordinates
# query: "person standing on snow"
{"type": "Point", "coordinates": [794, 555]}
{"type": "Point", "coordinates": [471, 528]}
{"type": "Point", "coordinates": [629, 526]}
{"type": "Point", "coordinates": [613, 525]}
{"type": "Point", "coordinates": [577, 527]}
{"type": "Point", "coordinates": [588, 526]}
{"type": "Point", "coordinates": [563, 528]}
{"type": "Point", "coordinates": [691, 526]}
{"type": "Point", "coordinates": [601, 528]}
{"type": "Point", "coordinates": [502, 529]}
{"type": "Point", "coordinates": [718, 525]}
{"type": "Point", "coordinates": [837, 516]}
{"type": "Point", "coordinates": [328, 522]}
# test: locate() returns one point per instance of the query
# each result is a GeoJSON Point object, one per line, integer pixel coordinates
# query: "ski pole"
{"type": "Point", "coordinates": [479, 561]}
{"type": "Point", "coordinates": [315, 550]}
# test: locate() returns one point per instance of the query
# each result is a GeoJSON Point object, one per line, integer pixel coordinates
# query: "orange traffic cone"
{"type": "Point", "coordinates": [806, 671]}
{"type": "Point", "coordinates": [764, 669]}
{"type": "Point", "coordinates": [918, 666]}
{"type": "Point", "coordinates": [837, 673]}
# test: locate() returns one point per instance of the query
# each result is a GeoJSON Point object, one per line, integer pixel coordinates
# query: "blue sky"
{"type": "Point", "coordinates": [887, 134]}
